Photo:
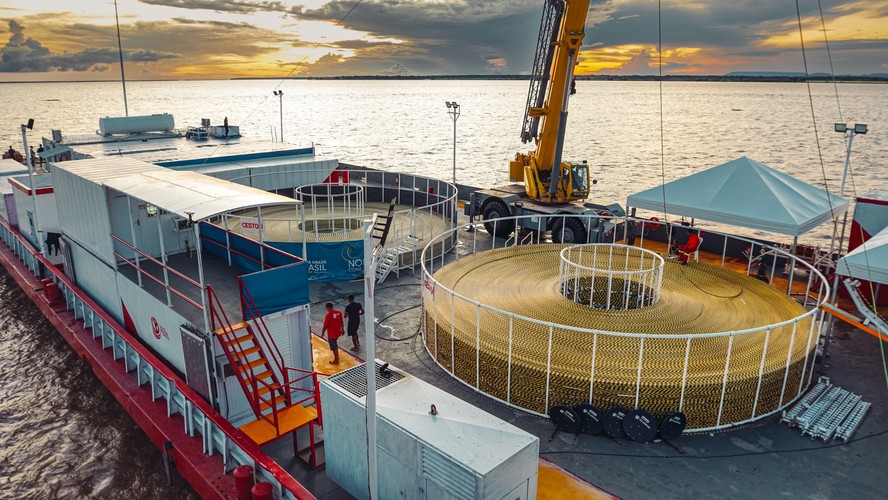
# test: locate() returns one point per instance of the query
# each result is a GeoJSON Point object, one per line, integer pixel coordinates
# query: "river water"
{"type": "Point", "coordinates": [63, 435]}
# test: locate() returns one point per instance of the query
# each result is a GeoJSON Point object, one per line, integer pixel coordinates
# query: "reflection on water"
{"type": "Point", "coordinates": [62, 434]}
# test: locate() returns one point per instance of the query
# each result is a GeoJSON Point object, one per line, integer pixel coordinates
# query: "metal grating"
{"type": "Point", "coordinates": [448, 474]}
{"type": "Point", "coordinates": [354, 380]}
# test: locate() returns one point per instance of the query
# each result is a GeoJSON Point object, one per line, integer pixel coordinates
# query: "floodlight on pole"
{"type": "Point", "coordinates": [280, 94]}
{"type": "Point", "coordinates": [453, 111]}
{"type": "Point", "coordinates": [849, 132]}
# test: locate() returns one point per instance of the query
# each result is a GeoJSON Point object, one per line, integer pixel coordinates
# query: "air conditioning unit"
{"type": "Point", "coordinates": [459, 452]}
{"type": "Point", "coordinates": [180, 224]}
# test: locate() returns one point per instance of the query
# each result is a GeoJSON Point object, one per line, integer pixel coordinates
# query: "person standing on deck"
{"type": "Point", "coordinates": [353, 312]}
{"type": "Point", "coordinates": [333, 329]}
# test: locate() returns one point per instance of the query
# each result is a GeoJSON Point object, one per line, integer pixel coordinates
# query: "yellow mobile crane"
{"type": "Point", "coordinates": [551, 186]}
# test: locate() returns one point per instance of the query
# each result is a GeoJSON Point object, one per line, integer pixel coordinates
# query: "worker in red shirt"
{"type": "Point", "coordinates": [333, 329]}
{"type": "Point", "coordinates": [691, 246]}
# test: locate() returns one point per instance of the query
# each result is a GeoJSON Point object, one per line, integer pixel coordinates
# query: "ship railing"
{"type": "Point", "coordinates": [455, 328]}
{"type": "Point", "coordinates": [433, 207]}
{"type": "Point", "coordinates": [198, 417]}
{"type": "Point", "coordinates": [264, 248]}
{"type": "Point", "coordinates": [21, 247]}
{"type": "Point", "coordinates": [165, 283]}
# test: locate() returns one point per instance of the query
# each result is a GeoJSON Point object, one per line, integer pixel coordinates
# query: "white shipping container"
{"type": "Point", "coordinates": [462, 452]}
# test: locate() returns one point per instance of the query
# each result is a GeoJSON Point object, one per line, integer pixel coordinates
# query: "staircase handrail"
{"type": "Point", "coordinates": [269, 401]}
{"type": "Point", "coordinates": [251, 313]}
{"type": "Point", "coordinates": [269, 396]}
{"type": "Point", "coordinates": [217, 321]}
{"type": "Point", "coordinates": [313, 375]}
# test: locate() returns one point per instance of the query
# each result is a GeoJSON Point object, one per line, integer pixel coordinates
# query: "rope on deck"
{"type": "Point", "coordinates": [696, 298]}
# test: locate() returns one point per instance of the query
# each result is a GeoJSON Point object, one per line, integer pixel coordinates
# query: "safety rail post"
{"type": "Point", "coordinates": [758, 388]}
{"type": "Point", "coordinates": [167, 287]}
{"type": "Point", "coordinates": [592, 369]}
{"type": "Point", "coordinates": [721, 402]}
{"type": "Point", "coordinates": [788, 358]}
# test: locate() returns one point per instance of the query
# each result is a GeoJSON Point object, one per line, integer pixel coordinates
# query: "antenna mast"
{"type": "Point", "coordinates": [120, 52]}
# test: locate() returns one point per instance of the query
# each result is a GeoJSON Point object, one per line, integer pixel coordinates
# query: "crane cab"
{"type": "Point", "coordinates": [577, 180]}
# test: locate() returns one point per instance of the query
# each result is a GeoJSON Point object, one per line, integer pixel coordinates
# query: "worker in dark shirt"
{"type": "Point", "coordinates": [353, 312]}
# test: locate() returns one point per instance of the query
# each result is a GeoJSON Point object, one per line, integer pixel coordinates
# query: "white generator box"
{"type": "Point", "coordinates": [461, 452]}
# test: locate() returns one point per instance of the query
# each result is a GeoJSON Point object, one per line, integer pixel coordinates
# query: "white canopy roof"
{"type": "Point", "coordinates": [744, 192]}
{"type": "Point", "coordinates": [183, 193]}
{"type": "Point", "coordinates": [190, 193]}
{"type": "Point", "coordinates": [869, 261]}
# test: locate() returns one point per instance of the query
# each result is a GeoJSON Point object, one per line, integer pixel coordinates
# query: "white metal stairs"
{"type": "Point", "coordinates": [391, 258]}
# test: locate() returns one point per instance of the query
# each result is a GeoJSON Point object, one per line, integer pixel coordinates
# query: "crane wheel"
{"type": "Point", "coordinates": [568, 230]}
{"type": "Point", "coordinates": [495, 209]}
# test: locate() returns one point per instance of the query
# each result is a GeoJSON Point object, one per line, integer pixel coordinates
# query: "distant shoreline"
{"type": "Point", "coordinates": [819, 78]}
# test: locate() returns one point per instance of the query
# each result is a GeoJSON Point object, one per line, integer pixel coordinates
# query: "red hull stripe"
{"type": "Point", "coordinates": [203, 472]}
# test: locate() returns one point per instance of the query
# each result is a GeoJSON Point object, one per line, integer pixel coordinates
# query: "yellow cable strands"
{"type": "Point", "coordinates": [334, 225]}
{"type": "Point", "coordinates": [695, 299]}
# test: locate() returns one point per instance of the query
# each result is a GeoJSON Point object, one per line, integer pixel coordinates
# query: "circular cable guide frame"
{"type": "Point", "coordinates": [610, 276]}
{"type": "Point", "coordinates": [613, 421]}
{"type": "Point", "coordinates": [592, 419]}
{"type": "Point", "coordinates": [330, 198]}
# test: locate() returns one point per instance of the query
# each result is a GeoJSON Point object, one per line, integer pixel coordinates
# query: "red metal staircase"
{"type": "Point", "coordinates": [281, 407]}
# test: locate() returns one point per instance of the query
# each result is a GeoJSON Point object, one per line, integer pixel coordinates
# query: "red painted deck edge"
{"type": "Point", "coordinates": [203, 472]}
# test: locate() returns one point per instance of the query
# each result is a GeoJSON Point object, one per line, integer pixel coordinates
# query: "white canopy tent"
{"type": "Point", "coordinates": [744, 192]}
{"type": "Point", "coordinates": [869, 261]}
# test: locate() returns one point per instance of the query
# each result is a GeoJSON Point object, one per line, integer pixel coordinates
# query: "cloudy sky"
{"type": "Point", "coordinates": [196, 39]}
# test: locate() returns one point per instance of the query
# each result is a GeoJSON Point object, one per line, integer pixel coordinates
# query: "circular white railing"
{"type": "Point", "coordinates": [609, 276]}
{"type": "Point", "coordinates": [718, 378]}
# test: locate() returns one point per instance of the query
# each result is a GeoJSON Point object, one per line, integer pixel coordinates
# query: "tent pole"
{"type": "Point", "coordinates": [834, 293]}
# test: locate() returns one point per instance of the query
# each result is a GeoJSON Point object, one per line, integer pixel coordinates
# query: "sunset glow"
{"type": "Point", "coordinates": [199, 39]}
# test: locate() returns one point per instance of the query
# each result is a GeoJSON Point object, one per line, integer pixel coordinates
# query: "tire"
{"type": "Point", "coordinates": [569, 230]}
{"type": "Point", "coordinates": [495, 209]}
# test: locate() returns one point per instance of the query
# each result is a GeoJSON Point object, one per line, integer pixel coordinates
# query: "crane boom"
{"type": "Point", "coordinates": [546, 178]}
{"type": "Point", "coordinates": [554, 195]}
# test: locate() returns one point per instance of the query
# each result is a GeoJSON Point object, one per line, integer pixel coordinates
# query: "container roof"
{"type": "Point", "coordinates": [8, 166]}
{"type": "Point", "coordinates": [187, 194]}
{"type": "Point", "coordinates": [478, 439]}
{"type": "Point", "coordinates": [181, 153]}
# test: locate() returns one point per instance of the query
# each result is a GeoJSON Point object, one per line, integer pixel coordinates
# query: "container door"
{"type": "Point", "coordinates": [197, 367]}
{"type": "Point", "coordinates": [12, 215]}
{"type": "Point", "coordinates": [67, 260]}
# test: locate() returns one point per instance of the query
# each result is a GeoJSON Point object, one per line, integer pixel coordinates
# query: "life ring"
{"type": "Point", "coordinates": [653, 226]}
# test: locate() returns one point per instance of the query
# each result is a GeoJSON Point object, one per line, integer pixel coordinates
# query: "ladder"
{"type": "Point", "coordinates": [391, 257]}
{"type": "Point", "coordinates": [277, 411]}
